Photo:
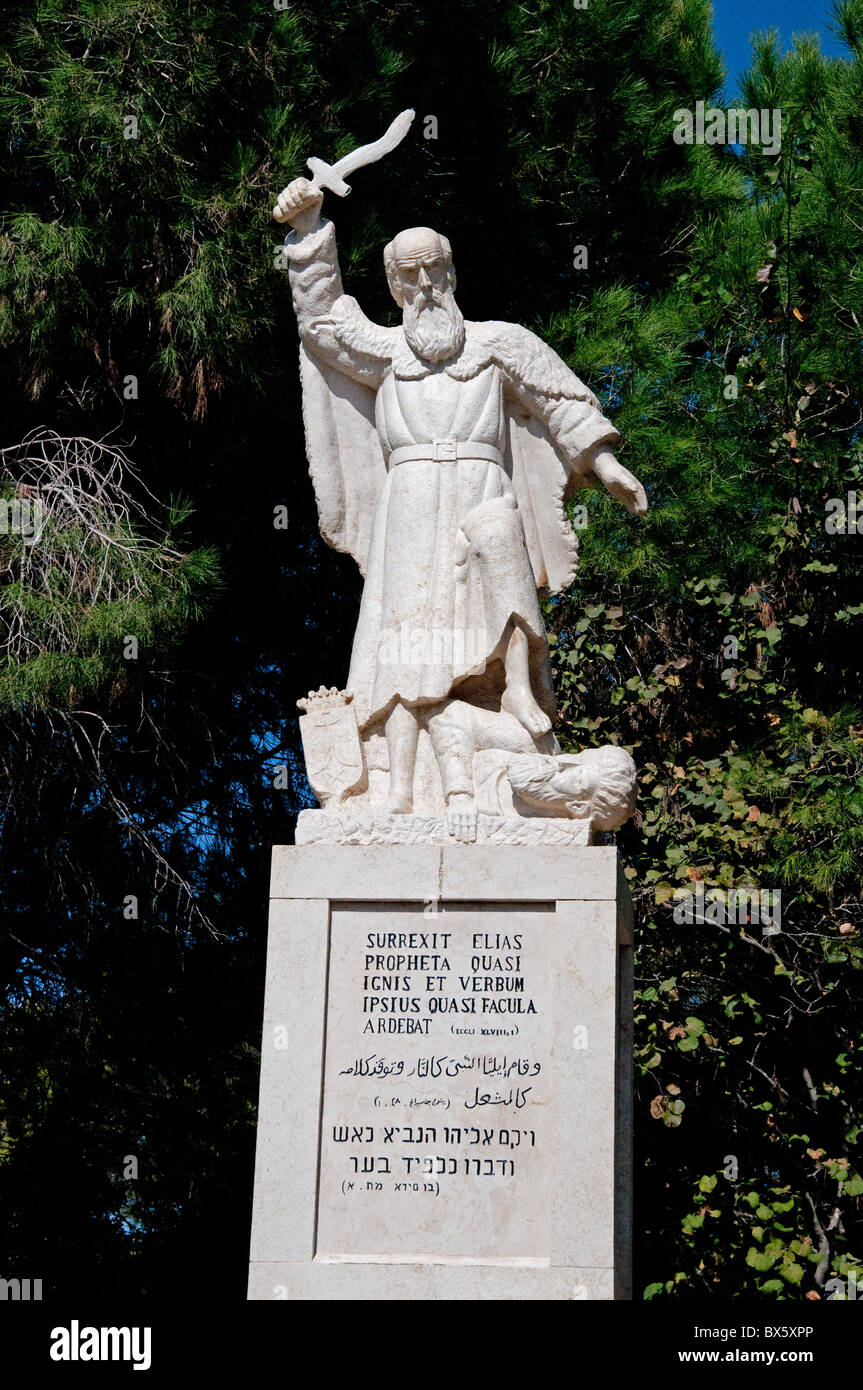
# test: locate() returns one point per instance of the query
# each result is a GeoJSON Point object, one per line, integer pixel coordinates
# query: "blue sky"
{"type": "Point", "coordinates": [735, 20]}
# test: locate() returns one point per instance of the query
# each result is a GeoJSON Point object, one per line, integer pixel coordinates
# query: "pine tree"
{"type": "Point", "coordinates": [719, 639]}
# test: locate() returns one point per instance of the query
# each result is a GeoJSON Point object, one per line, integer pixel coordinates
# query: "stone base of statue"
{"type": "Point", "coordinates": [520, 790]}
{"type": "Point", "coordinates": [445, 1074]}
{"type": "Point", "coordinates": [346, 827]}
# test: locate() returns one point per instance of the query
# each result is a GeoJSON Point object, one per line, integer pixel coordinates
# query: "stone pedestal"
{"type": "Point", "coordinates": [445, 1075]}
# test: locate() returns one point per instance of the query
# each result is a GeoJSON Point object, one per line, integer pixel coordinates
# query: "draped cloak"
{"type": "Point", "coordinates": [451, 549]}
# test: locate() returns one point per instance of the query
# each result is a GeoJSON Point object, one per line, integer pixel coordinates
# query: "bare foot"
{"type": "Point", "coordinates": [518, 699]}
{"type": "Point", "coordinates": [398, 804]}
{"type": "Point", "coordinates": [461, 817]}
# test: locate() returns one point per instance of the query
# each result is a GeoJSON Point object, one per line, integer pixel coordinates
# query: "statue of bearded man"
{"type": "Point", "coordinates": [442, 454]}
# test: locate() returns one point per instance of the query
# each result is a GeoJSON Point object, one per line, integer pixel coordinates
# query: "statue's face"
{"type": "Point", "coordinates": [597, 782]}
{"type": "Point", "coordinates": [575, 787]}
{"type": "Point", "coordinates": [424, 277]}
{"type": "Point", "coordinates": [423, 268]}
{"type": "Point", "coordinates": [422, 280]}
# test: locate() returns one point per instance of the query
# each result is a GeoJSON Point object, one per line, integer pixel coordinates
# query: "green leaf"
{"type": "Point", "coordinates": [759, 1259]}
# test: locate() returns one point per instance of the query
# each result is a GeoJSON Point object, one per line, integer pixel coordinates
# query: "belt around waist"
{"type": "Point", "coordinates": [444, 451]}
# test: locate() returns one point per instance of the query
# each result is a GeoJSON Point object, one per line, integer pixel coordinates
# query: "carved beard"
{"type": "Point", "coordinates": [434, 330]}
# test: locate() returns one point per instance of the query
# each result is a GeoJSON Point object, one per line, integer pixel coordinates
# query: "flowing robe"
{"type": "Point", "coordinates": [454, 544]}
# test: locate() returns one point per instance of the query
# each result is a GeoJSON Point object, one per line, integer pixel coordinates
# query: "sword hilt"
{"type": "Point", "coordinates": [326, 177]}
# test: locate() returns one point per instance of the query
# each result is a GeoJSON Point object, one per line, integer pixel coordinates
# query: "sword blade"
{"type": "Point", "coordinates": [332, 176]}
{"type": "Point", "coordinates": [370, 154]}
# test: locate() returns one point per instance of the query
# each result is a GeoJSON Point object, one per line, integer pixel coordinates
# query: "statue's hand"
{"type": "Point", "coordinates": [620, 482]}
{"type": "Point", "coordinates": [299, 204]}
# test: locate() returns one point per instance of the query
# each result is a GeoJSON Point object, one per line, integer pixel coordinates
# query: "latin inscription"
{"type": "Point", "coordinates": [437, 1087]}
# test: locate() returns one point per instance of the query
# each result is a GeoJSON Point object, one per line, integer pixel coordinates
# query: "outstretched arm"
{"type": "Point", "coordinates": [331, 323]}
{"type": "Point", "coordinates": [544, 385]}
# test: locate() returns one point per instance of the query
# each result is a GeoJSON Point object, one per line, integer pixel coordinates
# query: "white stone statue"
{"type": "Point", "coordinates": [442, 454]}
